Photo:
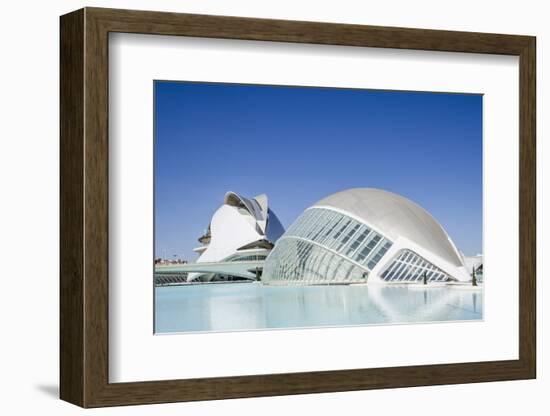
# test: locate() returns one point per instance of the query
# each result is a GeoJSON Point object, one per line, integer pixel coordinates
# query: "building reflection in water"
{"type": "Point", "coordinates": [249, 306]}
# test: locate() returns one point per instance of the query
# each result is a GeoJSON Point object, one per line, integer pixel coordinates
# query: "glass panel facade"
{"type": "Point", "coordinates": [250, 257]}
{"type": "Point", "coordinates": [324, 246]}
{"type": "Point", "coordinates": [299, 261]}
{"type": "Point", "coordinates": [410, 267]}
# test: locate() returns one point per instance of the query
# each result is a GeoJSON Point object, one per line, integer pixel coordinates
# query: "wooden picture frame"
{"type": "Point", "coordinates": [84, 207]}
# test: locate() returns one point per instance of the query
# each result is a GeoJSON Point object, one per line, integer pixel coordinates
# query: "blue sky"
{"type": "Point", "coordinates": [299, 145]}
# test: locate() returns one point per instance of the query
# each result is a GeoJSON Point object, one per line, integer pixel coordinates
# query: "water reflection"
{"type": "Point", "coordinates": [246, 306]}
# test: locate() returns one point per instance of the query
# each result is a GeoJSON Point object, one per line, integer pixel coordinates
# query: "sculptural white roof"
{"type": "Point", "coordinates": [361, 235]}
{"type": "Point", "coordinates": [241, 227]}
{"type": "Point", "coordinates": [396, 216]}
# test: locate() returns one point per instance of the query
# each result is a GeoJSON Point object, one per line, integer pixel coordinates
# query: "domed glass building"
{"type": "Point", "coordinates": [364, 235]}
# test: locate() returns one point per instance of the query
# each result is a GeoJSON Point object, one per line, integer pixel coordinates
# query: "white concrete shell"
{"type": "Point", "coordinates": [395, 216]}
{"type": "Point", "coordinates": [364, 234]}
{"type": "Point", "coordinates": [241, 227]}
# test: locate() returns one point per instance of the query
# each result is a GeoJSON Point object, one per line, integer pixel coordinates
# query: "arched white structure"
{"type": "Point", "coordinates": [242, 229]}
{"type": "Point", "coordinates": [361, 235]}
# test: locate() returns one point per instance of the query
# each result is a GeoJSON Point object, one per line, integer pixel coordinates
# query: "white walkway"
{"type": "Point", "coordinates": [246, 269]}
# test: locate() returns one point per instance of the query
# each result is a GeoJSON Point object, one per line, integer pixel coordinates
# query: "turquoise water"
{"type": "Point", "coordinates": [251, 306]}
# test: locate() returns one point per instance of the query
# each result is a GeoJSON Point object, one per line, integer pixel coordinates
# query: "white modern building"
{"type": "Point", "coordinates": [364, 235]}
{"type": "Point", "coordinates": [239, 237]}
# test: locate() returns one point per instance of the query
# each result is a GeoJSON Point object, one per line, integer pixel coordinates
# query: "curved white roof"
{"type": "Point", "coordinates": [395, 216]}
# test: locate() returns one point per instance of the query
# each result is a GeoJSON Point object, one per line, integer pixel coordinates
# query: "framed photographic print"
{"type": "Point", "coordinates": [256, 207]}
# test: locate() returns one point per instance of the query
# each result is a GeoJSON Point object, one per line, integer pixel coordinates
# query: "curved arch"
{"type": "Point", "coordinates": [251, 205]}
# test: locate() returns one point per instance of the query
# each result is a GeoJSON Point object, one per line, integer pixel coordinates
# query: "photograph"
{"type": "Point", "coordinates": [292, 207]}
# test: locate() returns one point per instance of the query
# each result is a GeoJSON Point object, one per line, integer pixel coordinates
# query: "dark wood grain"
{"type": "Point", "coordinates": [84, 207]}
{"type": "Point", "coordinates": [71, 100]}
{"type": "Point", "coordinates": [527, 208]}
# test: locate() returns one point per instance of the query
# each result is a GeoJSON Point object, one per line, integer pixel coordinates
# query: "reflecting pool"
{"type": "Point", "coordinates": [251, 306]}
